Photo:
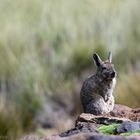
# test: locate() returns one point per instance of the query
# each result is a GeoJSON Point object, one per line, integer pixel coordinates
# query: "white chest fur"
{"type": "Point", "coordinates": [113, 82]}
{"type": "Point", "coordinates": [109, 90]}
{"type": "Point", "coordinates": [112, 85]}
{"type": "Point", "coordinates": [110, 102]}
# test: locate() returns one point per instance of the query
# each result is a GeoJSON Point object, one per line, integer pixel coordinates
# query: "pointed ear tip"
{"type": "Point", "coordinates": [95, 56]}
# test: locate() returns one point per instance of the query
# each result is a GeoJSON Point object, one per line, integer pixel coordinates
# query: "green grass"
{"type": "Point", "coordinates": [10, 125]}
{"type": "Point", "coordinates": [127, 90]}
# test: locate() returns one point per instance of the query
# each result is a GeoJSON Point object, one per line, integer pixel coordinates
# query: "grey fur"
{"type": "Point", "coordinates": [97, 90]}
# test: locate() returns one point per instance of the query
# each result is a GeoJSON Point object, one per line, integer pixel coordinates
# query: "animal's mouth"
{"type": "Point", "coordinates": [110, 78]}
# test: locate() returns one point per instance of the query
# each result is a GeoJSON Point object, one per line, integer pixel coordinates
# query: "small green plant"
{"type": "Point", "coordinates": [108, 129]}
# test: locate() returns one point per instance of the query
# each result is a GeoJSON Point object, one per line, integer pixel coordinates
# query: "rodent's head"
{"type": "Point", "coordinates": [105, 69]}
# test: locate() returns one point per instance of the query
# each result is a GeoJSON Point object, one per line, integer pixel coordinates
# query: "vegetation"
{"type": "Point", "coordinates": [108, 129]}
{"type": "Point", "coordinates": [45, 52]}
{"type": "Point", "coordinates": [136, 132]}
{"type": "Point", "coordinates": [111, 129]}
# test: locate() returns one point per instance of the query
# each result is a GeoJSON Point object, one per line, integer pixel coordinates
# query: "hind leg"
{"type": "Point", "coordinates": [96, 107]}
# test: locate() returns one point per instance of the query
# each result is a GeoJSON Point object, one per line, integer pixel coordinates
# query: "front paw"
{"type": "Point", "coordinates": [106, 98]}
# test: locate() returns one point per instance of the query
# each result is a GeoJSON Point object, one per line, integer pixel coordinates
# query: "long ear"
{"type": "Point", "coordinates": [97, 59]}
{"type": "Point", "coordinates": [110, 57]}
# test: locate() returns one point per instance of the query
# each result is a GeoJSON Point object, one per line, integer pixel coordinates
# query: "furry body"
{"type": "Point", "coordinates": [97, 91]}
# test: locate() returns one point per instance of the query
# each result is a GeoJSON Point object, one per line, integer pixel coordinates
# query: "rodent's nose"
{"type": "Point", "coordinates": [113, 74]}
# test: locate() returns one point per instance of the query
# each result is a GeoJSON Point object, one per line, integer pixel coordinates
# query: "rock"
{"type": "Point", "coordinates": [81, 127]}
{"type": "Point", "coordinates": [122, 111]}
{"type": "Point", "coordinates": [128, 126]}
{"type": "Point", "coordinates": [86, 126]}
{"type": "Point", "coordinates": [86, 136]}
{"type": "Point", "coordinates": [102, 119]}
{"type": "Point", "coordinates": [91, 136]}
{"type": "Point", "coordinates": [31, 137]}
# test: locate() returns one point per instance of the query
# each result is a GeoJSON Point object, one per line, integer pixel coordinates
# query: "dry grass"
{"type": "Point", "coordinates": [128, 89]}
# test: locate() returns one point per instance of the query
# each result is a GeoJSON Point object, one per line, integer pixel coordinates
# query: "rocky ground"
{"type": "Point", "coordinates": [123, 123]}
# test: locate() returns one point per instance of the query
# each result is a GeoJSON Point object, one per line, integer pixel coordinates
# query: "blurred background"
{"type": "Point", "coordinates": [45, 55]}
